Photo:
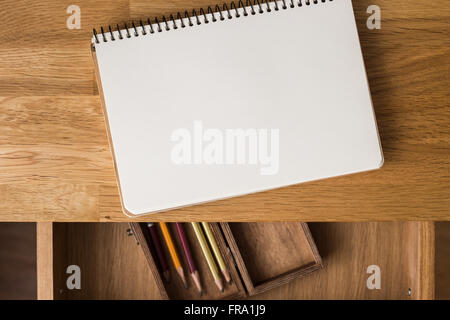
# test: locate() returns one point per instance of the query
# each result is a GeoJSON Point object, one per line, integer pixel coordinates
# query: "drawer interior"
{"type": "Point", "coordinates": [111, 263]}
{"type": "Point", "coordinates": [113, 266]}
{"type": "Point", "coordinates": [404, 251]}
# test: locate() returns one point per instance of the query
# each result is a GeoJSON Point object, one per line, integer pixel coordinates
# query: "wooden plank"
{"type": "Point", "coordinates": [421, 247]}
{"type": "Point", "coordinates": [18, 261]}
{"type": "Point", "coordinates": [44, 245]}
{"type": "Point", "coordinates": [41, 56]}
{"type": "Point", "coordinates": [55, 163]}
{"type": "Point", "coordinates": [442, 260]}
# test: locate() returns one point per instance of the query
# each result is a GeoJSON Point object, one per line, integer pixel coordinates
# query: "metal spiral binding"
{"type": "Point", "coordinates": [211, 14]}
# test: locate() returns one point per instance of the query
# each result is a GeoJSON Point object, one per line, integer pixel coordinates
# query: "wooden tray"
{"type": "Point", "coordinates": [259, 256]}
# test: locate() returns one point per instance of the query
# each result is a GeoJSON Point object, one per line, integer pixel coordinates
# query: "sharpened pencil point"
{"type": "Point", "coordinates": [196, 279]}
{"type": "Point", "coordinates": [201, 293]}
{"type": "Point", "coordinates": [226, 275]}
{"type": "Point", "coordinates": [181, 274]}
{"type": "Point", "coordinates": [222, 290]}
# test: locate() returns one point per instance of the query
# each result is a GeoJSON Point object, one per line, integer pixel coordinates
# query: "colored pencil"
{"type": "Point", "coordinates": [207, 253]}
{"type": "Point", "coordinates": [173, 252]}
{"type": "Point", "coordinates": [217, 254]}
{"type": "Point", "coordinates": [187, 253]}
{"type": "Point", "coordinates": [159, 251]}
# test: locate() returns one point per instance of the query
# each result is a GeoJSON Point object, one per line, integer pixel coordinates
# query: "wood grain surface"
{"type": "Point", "coordinates": [348, 249]}
{"type": "Point", "coordinates": [44, 261]}
{"type": "Point", "coordinates": [18, 261]}
{"type": "Point", "coordinates": [442, 260]}
{"type": "Point", "coordinates": [111, 263]}
{"type": "Point", "coordinates": [55, 163]}
{"type": "Point", "coordinates": [113, 266]}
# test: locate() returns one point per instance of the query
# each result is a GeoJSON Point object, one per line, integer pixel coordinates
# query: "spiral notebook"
{"type": "Point", "coordinates": [234, 99]}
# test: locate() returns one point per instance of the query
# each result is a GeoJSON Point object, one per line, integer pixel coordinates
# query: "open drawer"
{"type": "Point", "coordinates": [113, 266]}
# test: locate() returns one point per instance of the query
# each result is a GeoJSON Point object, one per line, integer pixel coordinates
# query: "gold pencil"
{"type": "Point", "coordinates": [217, 254]}
{"type": "Point", "coordinates": [208, 256]}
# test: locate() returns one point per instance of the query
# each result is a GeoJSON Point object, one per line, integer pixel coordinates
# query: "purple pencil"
{"type": "Point", "coordinates": [159, 251]}
{"type": "Point", "coordinates": [187, 253]}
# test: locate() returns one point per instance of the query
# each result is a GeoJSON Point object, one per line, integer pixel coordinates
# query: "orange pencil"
{"type": "Point", "coordinates": [172, 251]}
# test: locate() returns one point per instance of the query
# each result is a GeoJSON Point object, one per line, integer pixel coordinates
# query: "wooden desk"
{"type": "Point", "coordinates": [55, 163]}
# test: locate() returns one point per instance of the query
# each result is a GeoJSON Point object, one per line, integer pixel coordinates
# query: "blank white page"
{"type": "Point", "coordinates": [296, 71]}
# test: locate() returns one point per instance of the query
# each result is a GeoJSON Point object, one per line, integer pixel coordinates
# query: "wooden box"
{"type": "Point", "coordinates": [259, 256]}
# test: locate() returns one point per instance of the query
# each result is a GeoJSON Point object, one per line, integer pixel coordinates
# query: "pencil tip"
{"type": "Point", "coordinates": [229, 282]}
{"type": "Point", "coordinates": [201, 293]}
{"type": "Point", "coordinates": [222, 290]}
